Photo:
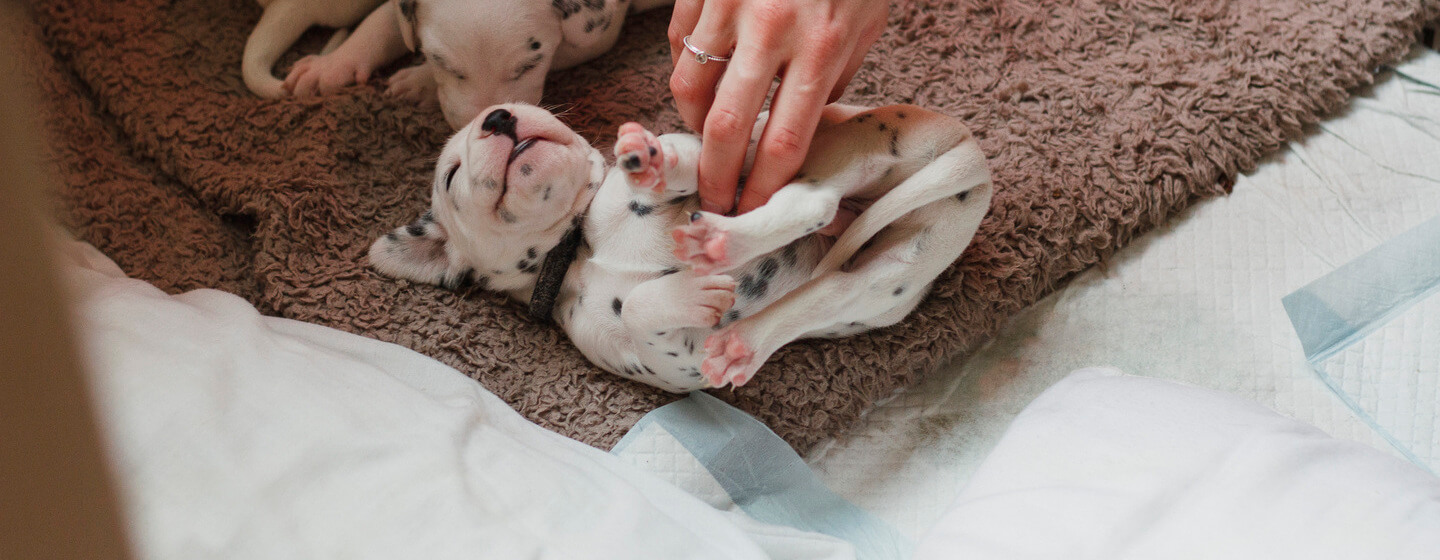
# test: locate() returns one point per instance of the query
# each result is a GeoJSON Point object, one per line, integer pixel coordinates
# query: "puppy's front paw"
{"type": "Point", "coordinates": [413, 84]}
{"type": "Point", "coordinates": [639, 153]}
{"type": "Point", "coordinates": [712, 296]}
{"type": "Point", "coordinates": [729, 359]}
{"type": "Point", "coordinates": [703, 243]}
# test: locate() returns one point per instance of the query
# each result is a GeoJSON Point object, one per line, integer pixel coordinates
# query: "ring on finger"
{"type": "Point", "coordinates": [700, 55]}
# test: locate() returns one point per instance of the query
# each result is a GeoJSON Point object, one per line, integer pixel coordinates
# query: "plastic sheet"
{"type": "Point", "coordinates": [765, 477]}
{"type": "Point", "coordinates": [1371, 331]}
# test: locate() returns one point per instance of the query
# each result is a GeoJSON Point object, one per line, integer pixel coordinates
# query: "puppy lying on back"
{"type": "Point", "coordinates": [651, 289]}
{"type": "Point", "coordinates": [477, 52]}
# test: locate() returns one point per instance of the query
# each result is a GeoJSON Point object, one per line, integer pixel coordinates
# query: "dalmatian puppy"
{"type": "Point", "coordinates": [652, 289]}
{"type": "Point", "coordinates": [477, 52]}
{"type": "Point", "coordinates": [281, 24]}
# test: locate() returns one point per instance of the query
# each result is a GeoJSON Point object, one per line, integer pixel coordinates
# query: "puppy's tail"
{"type": "Point", "coordinates": [954, 172]}
{"type": "Point", "coordinates": [280, 26]}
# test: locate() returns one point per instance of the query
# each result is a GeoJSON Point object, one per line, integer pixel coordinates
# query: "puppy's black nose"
{"type": "Point", "coordinates": [499, 121]}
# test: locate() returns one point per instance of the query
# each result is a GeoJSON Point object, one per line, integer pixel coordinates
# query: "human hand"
{"type": "Point", "coordinates": [815, 46]}
{"type": "Point", "coordinates": [324, 74]}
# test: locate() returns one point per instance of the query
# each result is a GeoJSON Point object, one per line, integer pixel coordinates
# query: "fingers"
{"type": "Point", "coordinates": [729, 124]}
{"type": "Point", "coordinates": [857, 57]}
{"type": "Point", "coordinates": [682, 22]}
{"type": "Point", "coordinates": [693, 83]}
{"type": "Point", "coordinates": [794, 114]}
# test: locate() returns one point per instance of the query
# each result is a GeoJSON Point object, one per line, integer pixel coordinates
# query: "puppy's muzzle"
{"type": "Point", "coordinates": [499, 121]}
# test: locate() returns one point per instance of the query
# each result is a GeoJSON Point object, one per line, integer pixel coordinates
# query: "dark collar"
{"type": "Point", "coordinates": [553, 269]}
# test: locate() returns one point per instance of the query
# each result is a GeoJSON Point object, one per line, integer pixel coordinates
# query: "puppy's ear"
{"type": "Point", "coordinates": [417, 252]}
{"type": "Point", "coordinates": [409, 23]}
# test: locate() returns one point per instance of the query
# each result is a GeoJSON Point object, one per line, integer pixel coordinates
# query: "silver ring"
{"type": "Point", "coordinates": [701, 56]}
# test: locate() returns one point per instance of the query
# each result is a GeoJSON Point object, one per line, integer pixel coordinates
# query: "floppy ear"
{"type": "Point", "coordinates": [409, 20]}
{"type": "Point", "coordinates": [418, 252]}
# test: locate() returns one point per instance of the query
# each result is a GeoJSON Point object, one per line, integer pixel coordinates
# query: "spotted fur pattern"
{"type": "Point", "coordinates": [667, 295]}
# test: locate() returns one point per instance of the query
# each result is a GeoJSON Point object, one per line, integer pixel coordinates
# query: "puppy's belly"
{"type": "Point", "coordinates": [672, 361]}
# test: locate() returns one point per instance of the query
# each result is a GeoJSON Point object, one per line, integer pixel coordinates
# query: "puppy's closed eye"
{"type": "Point", "coordinates": [450, 175]}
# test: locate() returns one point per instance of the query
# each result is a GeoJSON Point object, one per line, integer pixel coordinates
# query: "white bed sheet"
{"type": "Point", "coordinates": [1196, 301]}
{"type": "Point", "coordinates": [235, 435]}
{"type": "Point", "coordinates": [1106, 466]}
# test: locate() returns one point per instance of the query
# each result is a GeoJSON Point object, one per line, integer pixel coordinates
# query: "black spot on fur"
{"type": "Point", "coordinates": [900, 114]}
{"type": "Point", "coordinates": [641, 210]}
{"type": "Point", "coordinates": [669, 271]}
{"type": "Point", "coordinates": [616, 306]}
{"type": "Point", "coordinates": [535, 46]}
{"type": "Point", "coordinates": [899, 290]}
{"type": "Point", "coordinates": [672, 354]}
{"type": "Point", "coordinates": [526, 169]}
{"type": "Point", "coordinates": [790, 254]}
{"type": "Point", "coordinates": [883, 128]}
{"type": "Point", "coordinates": [428, 216]}
{"type": "Point", "coordinates": [660, 333]}
{"type": "Point", "coordinates": [416, 229]}
{"type": "Point", "coordinates": [532, 252]}
{"type": "Point", "coordinates": [392, 237]}
{"type": "Point", "coordinates": [546, 195]}
{"type": "Point", "coordinates": [895, 143]}
{"type": "Point", "coordinates": [731, 316]}
{"type": "Point", "coordinates": [566, 8]}
{"type": "Point", "coordinates": [752, 288]}
{"type": "Point", "coordinates": [768, 268]}
{"type": "Point", "coordinates": [507, 215]}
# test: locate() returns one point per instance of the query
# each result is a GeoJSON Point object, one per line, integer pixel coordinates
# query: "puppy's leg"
{"type": "Point", "coordinates": [885, 282]}
{"type": "Point", "coordinates": [665, 165]}
{"type": "Point", "coordinates": [661, 316]}
{"type": "Point", "coordinates": [676, 300]}
{"type": "Point", "coordinates": [712, 243]}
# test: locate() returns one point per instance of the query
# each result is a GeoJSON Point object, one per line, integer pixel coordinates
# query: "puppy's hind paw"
{"type": "Point", "coordinates": [703, 243]}
{"type": "Point", "coordinates": [729, 359]}
{"type": "Point", "coordinates": [638, 152]}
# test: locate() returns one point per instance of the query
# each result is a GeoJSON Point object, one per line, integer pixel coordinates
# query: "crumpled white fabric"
{"type": "Point", "coordinates": [236, 435]}
{"type": "Point", "coordinates": [1107, 466]}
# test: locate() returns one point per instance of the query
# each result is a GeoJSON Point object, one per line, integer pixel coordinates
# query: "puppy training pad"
{"type": "Point", "coordinates": [1101, 121]}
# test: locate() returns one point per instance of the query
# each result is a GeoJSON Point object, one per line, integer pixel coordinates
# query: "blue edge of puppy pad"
{"type": "Point", "coordinates": [1371, 332]}
{"type": "Point", "coordinates": [766, 478]}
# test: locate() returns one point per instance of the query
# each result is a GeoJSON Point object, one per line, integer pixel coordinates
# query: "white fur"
{"type": "Point", "coordinates": [478, 52]}
{"type": "Point", "coordinates": [683, 304]}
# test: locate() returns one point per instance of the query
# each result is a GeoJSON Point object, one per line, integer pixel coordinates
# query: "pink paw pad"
{"type": "Point", "coordinates": [728, 359]}
{"type": "Point", "coordinates": [704, 246]}
{"type": "Point", "coordinates": [639, 154]}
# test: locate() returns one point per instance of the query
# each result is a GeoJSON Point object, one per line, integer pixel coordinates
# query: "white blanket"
{"type": "Point", "coordinates": [1104, 466]}
{"type": "Point", "coordinates": [241, 436]}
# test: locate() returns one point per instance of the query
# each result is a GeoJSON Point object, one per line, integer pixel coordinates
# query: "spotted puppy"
{"type": "Point", "coordinates": [477, 53]}
{"type": "Point", "coordinates": [648, 287]}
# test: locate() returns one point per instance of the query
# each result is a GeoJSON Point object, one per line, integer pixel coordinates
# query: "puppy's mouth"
{"type": "Point", "coordinates": [520, 148]}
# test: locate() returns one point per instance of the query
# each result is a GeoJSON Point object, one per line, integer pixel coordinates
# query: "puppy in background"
{"type": "Point", "coordinates": [281, 25]}
{"type": "Point", "coordinates": [477, 53]}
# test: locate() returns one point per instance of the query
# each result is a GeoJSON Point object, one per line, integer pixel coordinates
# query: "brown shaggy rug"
{"type": "Point", "coordinates": [1102, 119]}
